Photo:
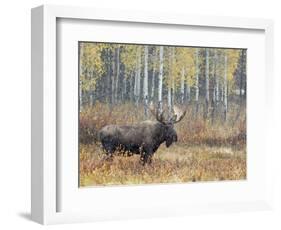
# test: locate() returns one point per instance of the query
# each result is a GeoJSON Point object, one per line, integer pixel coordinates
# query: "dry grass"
{"type": "Point", "coordinates": [174, 165]}
{"type": "Point", "coordinates": [207, 150]}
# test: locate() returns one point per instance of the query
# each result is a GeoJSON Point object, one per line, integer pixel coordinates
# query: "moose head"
{"type": "Point", "coordinates": [174, 117]}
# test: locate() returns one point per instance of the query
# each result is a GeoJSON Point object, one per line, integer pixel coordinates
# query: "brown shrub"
{"type": "Point", "coordinates": [191, 130]}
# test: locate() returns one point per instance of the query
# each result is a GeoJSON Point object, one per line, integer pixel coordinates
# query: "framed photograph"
{"type": "Point", "coordinates": [142, 114]}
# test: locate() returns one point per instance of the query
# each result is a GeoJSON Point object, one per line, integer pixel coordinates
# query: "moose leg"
{"type": "Point", "coordinates": [147, 157]}
{"type": "Point", "coordinates": [108, 157]}
{"type": "Point", "coordinates": [109, 150]}
{"type": "Point", "coordinates": [142, 158]}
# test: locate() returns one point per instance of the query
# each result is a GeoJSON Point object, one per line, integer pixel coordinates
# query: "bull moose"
{"type": "Point", "coordinates": [142, 138]}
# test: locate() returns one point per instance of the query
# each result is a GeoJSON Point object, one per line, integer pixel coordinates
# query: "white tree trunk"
{"type": "Point", "coordinates": [173, 79]}
{"type": "Point", "coordinates": [153, 83]}
{"type": "Point", "coordinates": [132, 87]}
{"type": "Point", "coordinates": [152, 93]}
{"type": "Point", "coordinates": [215, 80]}
{"type": "Point", "coordinates": [197, 76]}
{"type": "Point", "coordinates": [113, 78]}
{"type": "Point", "coordinates": [145, 80]}
{"type": "Point", "coordinates": [108, 77]}
{"type": "Point", "coordinates": [170, 81]}
{"type": "Point", "coordinates": [80, 74]}
{"type": "Point", "coordinates": [197, 79]}
{"type": "Point", "coordinates": [207, 76]}
{"type": "Point", "coordinates": [137, 76]}
{"type": "Point", "coordinates": [91, 74]}
{"type": "Point", "coordinates": [214, 96]}
{"type": "Point", "coordinates": [217, 91]}
{"type": "Point", "coordinates": [222, 80]}
{"type": "Point", "coordinates": [207, 93]}
{"type": "Point", "coordinates": [222, 92]}
{"type": "Point", "coordinates": [160, 103]}
{"type": "Point", "coordinates": [117, 56]}
{"type": "Point", "coordinates": [169, 100]}
{"type": "Point", "coordinates": [124, 91]}
{"type": "Point", "coordinates": [214, 77]}
{"type": "Point", "coordinates": [182, 85]}
{"type": "Point", "coordinates": [187, 92]}
{"type": "Point", "coordinates": [139, 73]}
{"type": "Point", "coordinates": [225, 87]}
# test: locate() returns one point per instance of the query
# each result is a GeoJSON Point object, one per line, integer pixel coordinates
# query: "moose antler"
{"type": "Point", "coordinates": [178, 115]}
{"type": "Point", "coordinates": [158, 115]}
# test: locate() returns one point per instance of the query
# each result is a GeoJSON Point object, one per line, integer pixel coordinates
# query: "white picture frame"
{"type": "Point", "coordinates": [45, 163]}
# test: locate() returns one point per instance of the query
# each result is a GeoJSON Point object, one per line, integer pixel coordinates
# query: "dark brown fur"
{"type": "Point", "coordinates": [143, 138]}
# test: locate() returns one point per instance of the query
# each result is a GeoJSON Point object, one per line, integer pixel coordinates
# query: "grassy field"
{"type": "Point", "coordinates": [174, 165]}
{"type": "Point", "coordinates": [206, 150]}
